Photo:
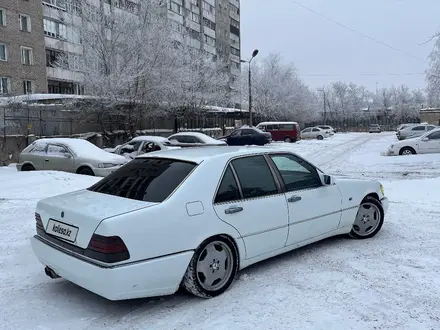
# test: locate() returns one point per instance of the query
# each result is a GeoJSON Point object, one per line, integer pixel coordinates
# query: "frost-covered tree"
{"type": "Point", "coordinates": [433, 73]}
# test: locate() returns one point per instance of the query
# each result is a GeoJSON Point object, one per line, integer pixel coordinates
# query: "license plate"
{"type": "Point", "coordinates": [62, 230]}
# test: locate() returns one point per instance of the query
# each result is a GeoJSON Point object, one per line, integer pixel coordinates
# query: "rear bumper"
{"type": "Point", "coordinates": [154, 277]}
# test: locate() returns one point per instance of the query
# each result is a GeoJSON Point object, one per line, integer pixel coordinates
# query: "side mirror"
{"type": "Point", "coordinates": [328, 181]}
{"type": "Point", "coordinates": [425, 139]}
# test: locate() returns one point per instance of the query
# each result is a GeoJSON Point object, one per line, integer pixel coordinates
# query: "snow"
{"type": "Point", "coordinates": [85, 149]}
{"type": "Point", "coordinates": [205, 138]}
{"type": "Point", "coordinates": [388, 282]}
{"type": "Point", "coordinates": [150, 138]}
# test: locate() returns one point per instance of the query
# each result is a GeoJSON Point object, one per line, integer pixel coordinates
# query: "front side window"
{"type": "Point", "coordinates": [255, 177]}
{"type": "Point", "coordinates": [307, 130]}
{"type": "Point", "coordinates": [316, 130]}
{"type": "Point", "coordinates": [236, 133]}
{"type": "Point", "coordinates": [228, 190]}
{"type": "Point", "coordinates": [434, 136]}
{"type": "Point", "coordinates": [39, 148]}
{"type": "Point", "coordinates": [145, 179]}
{"type": "Point", "coordinates": [297, 174]}
{"type": "Point", "coordinates": [419, 128]}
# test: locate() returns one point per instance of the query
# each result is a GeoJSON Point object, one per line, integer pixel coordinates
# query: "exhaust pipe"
{"type": "Point", "coordinates": [51, 273]}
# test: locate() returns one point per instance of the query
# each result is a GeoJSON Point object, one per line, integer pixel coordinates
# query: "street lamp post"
{"type": "Point", "coordinates": [254, 53]}
{"type": "Point", "coordinates": [325, 112]}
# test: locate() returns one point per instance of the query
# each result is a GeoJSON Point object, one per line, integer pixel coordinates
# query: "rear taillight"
{"type": "Point", "coordinates": [38, 222]}
{"type": "Point", "coordinates": [108, 249]}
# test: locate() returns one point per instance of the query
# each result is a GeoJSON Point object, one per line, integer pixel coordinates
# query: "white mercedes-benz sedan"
{"type": "Point", "coordinates": [194, 217]}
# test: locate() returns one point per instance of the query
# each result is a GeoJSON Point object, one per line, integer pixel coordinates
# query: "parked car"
{"type": "Point", "coordinates": [68, 155]}
{"type": "Point", "coordinates": [194, 217]}
{"type": "Point", "coordinates": [194, 139]}
{"type": "Point", "coordinates": [247, 136]}
{"type": "Point", "coordinates": [428, 143]}
{"type": "Point", "coordinates": [414, 131]}
{"type": "Point", "coordinates": [374, 128]}
{"type": "Point", "coordinates": [403, 126]}
{"type": "Point", "coordinates": [314, 133]}
{"type": "Point", "coordinates": [330, 129]}
{"type": "Point", "coordinates": [143, 144]}
{"type": "Point", "coordinates": [282, 131]}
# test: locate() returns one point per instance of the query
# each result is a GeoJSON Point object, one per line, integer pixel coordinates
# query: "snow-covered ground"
{"type": "Point", "coordinates": [389, 282]}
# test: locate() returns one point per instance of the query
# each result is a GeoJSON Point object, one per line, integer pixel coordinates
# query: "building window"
{"type": "Point", "coordinates": [234, 9]}
{"type": "Point", "coordinates": [27, 87]}
{"type": "Point", "coordinates": [194, 17]}
{"type": "Point", "coordinates": [175, 7]}
{"type": "Point", "coordinates": [208, 8]}
{"type": "Point", "coordinates": [235, 51]}
{"type": "Point", "coordinates": [235, 23]}
{"type": "Point", "coordinates": [56, 3]}
{"type": "Point", "coordinates": [4, 85]}
{"type": "Point", "coordinates": [236, 65]}
{"type": "Point", "coordinates": [209, 40]}
{"type": "Point", "coordinates": [3, 53]}
{"type": "Point", "coordinates": [62, 87]}
{"type": "Point", "coordinates": [25, 23]}
{"type": "Point", "coordinates": [208, 23]}
{"type": "Point", "coordinates": [2, 17]}
{"type": "Point", "coordinates": [27, 56]}
{"type": "Point", "coordinates": [52, 57]}
{"type": "Point", "coordinates": [55, 29]}
{"type": "Point", "coordinates": [176, 26]}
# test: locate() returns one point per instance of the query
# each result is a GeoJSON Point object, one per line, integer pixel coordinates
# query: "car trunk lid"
{"type": "Point", "coordinates": [74, 217]}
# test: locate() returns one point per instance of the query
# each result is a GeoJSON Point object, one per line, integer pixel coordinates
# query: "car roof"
{"type": "Point", "coordinates": [202, 135]}
{"type": "Point", "coordinates": [198, 155]}
{"type": "Point", "coordinates": [151, 138]}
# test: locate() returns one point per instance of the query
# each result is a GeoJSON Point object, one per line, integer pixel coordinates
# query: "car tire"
{"type": "Point", "coordinates": [287, 139]}
{"type": "Point", "coordinates": [320, 137]}
{"type": "Point", "coordinates": [405, 151]}
{"type": "Point", "coordinates": [369, 219]}
{"type": "Point", "coordinates": [27, 167]}
{"type": "Point", "coordinates": [216, 248]}
{"type": "Point", "coordinates": [85, 171]}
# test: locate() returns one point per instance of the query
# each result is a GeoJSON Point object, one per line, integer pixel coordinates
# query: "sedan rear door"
{"type": "Point", "coordinates": [249, 199]}
{"type": "Point", "coordinates": [314, 208]}
{"type": "Point", "coordinates": [432, 145]}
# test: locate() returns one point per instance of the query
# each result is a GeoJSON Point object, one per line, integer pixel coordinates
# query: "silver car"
{"type": "Point", "coordinates": [69, 155]}
{"type": "Point", "coordinates": [414, 131]}
{"type": "Point", "coordinates": [374, 128]}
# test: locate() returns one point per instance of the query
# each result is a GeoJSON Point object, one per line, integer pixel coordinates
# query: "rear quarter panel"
{"type": "Point", "coordinates": [167, 228]}
{"type": "Point", "coordinates": [353, 192]}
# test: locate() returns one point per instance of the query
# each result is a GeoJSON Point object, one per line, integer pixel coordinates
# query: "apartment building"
{"type": "Point", "coordinates": [22, 64]}
{"type": "Point", "coordinates": [213, 26]}
{"type": "Point", "coordinates": [42, 31]}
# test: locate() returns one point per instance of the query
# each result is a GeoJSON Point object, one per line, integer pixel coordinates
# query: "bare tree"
{"type": "Point", "coordinates": [433, 73]}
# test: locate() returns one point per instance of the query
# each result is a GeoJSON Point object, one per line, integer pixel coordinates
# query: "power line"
{"type": "Point", "coordinates": [363, 74]}
{"type": "Point", "coordinates": [357, 32]}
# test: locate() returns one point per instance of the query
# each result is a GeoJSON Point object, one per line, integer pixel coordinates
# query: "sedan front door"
{"type": "Point", "coordinates": [249, 199]}
{"type": "Point", "coordinates": [432, 145]}
{"type": "Point", "coordinates": [314, 208]}
{"type": "Point", "coordinates": [58, 158]}
{"type": "Point", "coordinates": [306, 133]}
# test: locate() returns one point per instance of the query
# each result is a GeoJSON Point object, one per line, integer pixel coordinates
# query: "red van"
{"type": "Point", "coordinates": [287, 131]}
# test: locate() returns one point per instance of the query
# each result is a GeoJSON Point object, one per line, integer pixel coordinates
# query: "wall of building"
{"type": "Point", "coordinates": [430, 116]}
{"type": "Point", "coordinates": [14, 39]}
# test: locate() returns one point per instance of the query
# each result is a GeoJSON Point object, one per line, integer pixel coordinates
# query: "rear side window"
{"type": "Point", "coordinates": [286, 127]}
{"type": "Point", "coordinates": [419, 128]}
{"type": "Point", "coordinates": [38, 148]}
{"type": "Point", "coordinates": [228, 190]}
{"type": "Point", "coordinates": [255, 177]}
{"type": "Point", "coordinates": [145, 179]}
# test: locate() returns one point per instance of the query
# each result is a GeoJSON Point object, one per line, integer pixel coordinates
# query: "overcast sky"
{"type": "Point", "coordinates": [320, 47]}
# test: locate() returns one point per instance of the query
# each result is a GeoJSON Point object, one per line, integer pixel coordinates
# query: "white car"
{"type": "Point", "coordinates": [330, 129]}
{"type": "Point", "coordinates": [194, 217]}
{"type": "Point", "coordinates": [194, 139]}
{"type": "Point", "coordinates": [68, 155]}
{"type": "Point", "coordinates": [414, 131]}
{"type": "Point", "coordinates": [314, 133]}
{"type": "Point", "coordinates": [428, 143]}
{"type": "Point", "coordinates": [143, 144]}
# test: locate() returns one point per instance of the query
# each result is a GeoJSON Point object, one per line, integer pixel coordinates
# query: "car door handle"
{"type": "Point", "coordinates": [294, 199]}
{"type": "Point", "coordinates": [233, 209]}
{"type": "Point", "coordinates": [46, 160]}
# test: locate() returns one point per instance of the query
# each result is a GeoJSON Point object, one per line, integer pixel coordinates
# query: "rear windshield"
{"type": "Point", "coordinates": [145, 179]}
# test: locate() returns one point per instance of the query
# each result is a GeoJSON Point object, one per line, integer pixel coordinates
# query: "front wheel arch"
{"type": "Point", "coordinates": [403, 149]}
